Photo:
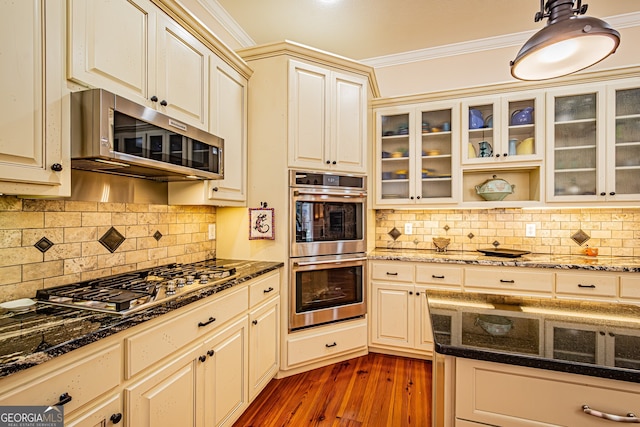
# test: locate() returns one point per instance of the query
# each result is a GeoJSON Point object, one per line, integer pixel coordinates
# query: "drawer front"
{"type": "Point", "coordinates": [439, 275]}
{"type": "Point", "coordinates": [157, 342]}
{"type": "Point", "coordinates": [587, 285]}
{"type": "Point", "coordinates": [537, 397]}
{"type": "Point", "coordinates": [630, 287]}
{"type": "Point", "coordinates": [83, 380]}
{"type": "Point", "coordinates": [511, 280]}
{"type": "Point", "coordinates": [263, 288]}
{"type": "Point", "coordinates": [330, 342]}
{"type": "Point", "coordinates": [392, 271]}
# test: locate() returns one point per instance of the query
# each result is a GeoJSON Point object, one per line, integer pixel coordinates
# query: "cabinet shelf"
{"type": "Point", "coordinates": [576, 147]}
{"type": "Point", "coordinates": [571, 170]}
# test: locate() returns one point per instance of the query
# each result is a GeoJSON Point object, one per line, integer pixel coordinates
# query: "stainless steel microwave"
{"type": "Point", "coordinates": [114, 135]}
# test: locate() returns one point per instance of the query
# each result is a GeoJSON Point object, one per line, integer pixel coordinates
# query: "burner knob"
{"type": "Point", "coordinates": [190, 280]}
{"type": "Point", "coordinates": [204, 278]}
{"type": "Point", "coordinates": [171, 287]}
{"type": "Point", "coordinates": [181, 282]}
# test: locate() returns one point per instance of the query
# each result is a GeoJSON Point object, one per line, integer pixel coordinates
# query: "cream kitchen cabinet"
{"type": "Point", "coordinates": [594, 285]}
{"type": "Point", "coordinates": [228, 120]}
{"type": "Point", "coordinates": [417, 154]}
{"type": "Point", "coordinates": [594, 150]}
{"type": "Point", "coordinates": [399, 316]}
{"type": "Point", "coordinates": [498, 395]}
{"type": "Point", "coordinates": [106, 412]}
{"type": "Point", "coordinates": [509, 280]}
{"type": "Point", "coordinates": [327, 119]}
{"type": "Point", "coordinates": [34, 145]}
{"type": "Point", "coordinates": [134, 49]}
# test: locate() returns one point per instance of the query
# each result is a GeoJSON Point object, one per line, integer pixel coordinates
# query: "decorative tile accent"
{"type": "Point", "coordinates": [471, 235]}
{"type": "Point", "coordinates": [157, 235]}
{"type": "Point", "coordinates": [394, 233]}
{"type": "Point", "coordinates": [112, 239]}
{"type": "Point", "coordinates": [580, 237]}
{"type": "Point", "coordinates": [43, 245]}
{"type": "Point", "coordinates": [495, 243]}
{"type": "Point", "coordinates": [446, 228]}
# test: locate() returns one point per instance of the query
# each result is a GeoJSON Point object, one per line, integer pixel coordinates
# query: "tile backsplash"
{"type": "Point", "coordinates": [614, 231]}
{"type": "Point", "coordinates": [153, 235]}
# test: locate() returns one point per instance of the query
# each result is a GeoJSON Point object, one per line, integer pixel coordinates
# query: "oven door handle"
{"type": "Point", "coordinates": [297, 193]}
{"type": "Point", "coordinates": [334, 261]}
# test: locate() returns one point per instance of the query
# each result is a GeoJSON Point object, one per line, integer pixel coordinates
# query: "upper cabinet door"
{"type": "Point", "coordinates": [113, 46]}
{"type": "Point", "coordinates": [33, 158]}
{"type": "Point", "coordinates": [327, 119]}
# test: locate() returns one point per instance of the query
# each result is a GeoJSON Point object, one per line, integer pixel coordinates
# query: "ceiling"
{"type": "Point", "coordinates": [363, 29]}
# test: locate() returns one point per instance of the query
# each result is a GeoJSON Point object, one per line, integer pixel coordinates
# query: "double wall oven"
{"type": "Point", "coordinates": [327, 248]}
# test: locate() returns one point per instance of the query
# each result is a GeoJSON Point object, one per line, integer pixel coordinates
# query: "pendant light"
{"type": "Point", "coordinates": [567, 44]}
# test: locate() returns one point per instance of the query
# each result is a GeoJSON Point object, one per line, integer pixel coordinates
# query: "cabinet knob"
{"type": "Point", "coordinates": [417, 294]}
{"type": "Point", "coordinates": [154, 98]}
{"type": "Point", "coordinates": [601, 333]}
{"type": "Point", "coordinates": [211, 353]}
{"type": "Point", "coordinates": [164, 103]}
{"type": "Point", "coordinates": [334, 162]}
{"type": "Point", "coordinates": [411, 197]}
{"type": "Point", "coordinates": [255, 322]}
{"type": "Point", "coordinates": [613, 193]}
{"type": "Point", "coordinates": [418, 197]}
{"type": "Point", "coordinates": [410, 292]}
{"type": "Point", "coordinates": [202, 358]}
{"type": "Point", "coordinates": [64, 399]}
{"type": "Point", "coordinates": [603, 194]}
{"type": "Point", "coordinates": [214, 189]}
{"type": "Point", "coordinates": [497, 155]}
{"type": "Point", "coordinates": [116, 418]}
{"type": "Point", "coordinates": [56, 167]}
{"type": "Point", "coordinates": [505, 154]}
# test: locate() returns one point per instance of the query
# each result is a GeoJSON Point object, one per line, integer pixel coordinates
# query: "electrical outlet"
{"type": "Point", "coordinates": [408, 228]}
{"type": "Point", "coordinates": [212, 231]}
{"type": "Point", "coordinates": [530, 230]}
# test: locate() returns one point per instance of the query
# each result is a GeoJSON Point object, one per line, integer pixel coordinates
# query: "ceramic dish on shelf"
{"type": "Point", "coordinates": [23, 304]}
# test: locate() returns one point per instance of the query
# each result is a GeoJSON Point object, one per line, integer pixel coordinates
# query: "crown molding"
{"type": "Point", "coordinates": [473, 46]}
{"type": "Point", "coordinates": [227, 21]}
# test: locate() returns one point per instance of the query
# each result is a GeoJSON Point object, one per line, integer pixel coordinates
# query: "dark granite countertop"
{"type": "Point", "coordinates": [45, 332]}
{"type": "Point", "coordinates": [562, 262]}
{"type": "Point", "coordinates": [588, 338]}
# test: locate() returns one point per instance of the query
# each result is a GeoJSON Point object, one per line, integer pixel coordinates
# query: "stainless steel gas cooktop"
{"type": "Point", "coordinates": [128, 293]}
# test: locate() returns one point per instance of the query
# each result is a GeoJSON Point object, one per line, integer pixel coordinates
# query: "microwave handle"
{"type": "Point", "coordinates": [339, 261]}
{"type": "Point", "coordinates": [311, 193]}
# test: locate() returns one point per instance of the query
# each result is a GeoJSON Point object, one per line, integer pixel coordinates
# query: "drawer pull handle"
{"type": "Point", "coordinates": [266, 291]}
{"type": "Point", "coordinates": [629, 418]}
{"type": "Point", "coordinates": [116, 418]}
{"type": "Point", "coordinates": [391, 274]}
{"type": "Point", "coordinates": [208, 322]}
{"type": "Point", "coordinates": [64, 399]}
{"type": "Point", "coordinates": [331, 345]}
{"type": "Point", "coordinates": [437, 277]}
{"type": "Point", "coordinates": [507, 281]}
{"type": "Point", "coordinates": [580, 285]}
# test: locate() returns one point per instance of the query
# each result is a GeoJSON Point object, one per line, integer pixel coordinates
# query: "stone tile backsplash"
{"type": "Point", "coordinates": [75, 228]}
{"type": "Point", "coordinates": [614, 231]}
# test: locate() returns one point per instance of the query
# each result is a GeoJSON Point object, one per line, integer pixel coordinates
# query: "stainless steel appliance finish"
{"type": "Point", "coordinates": [327, 213]}
{"type": "Point", "coordinates": [326, 289]}
{"type": "Point", "coordinates": [128, 293]}
{"type": "Point", "coordinates": [111, 134]}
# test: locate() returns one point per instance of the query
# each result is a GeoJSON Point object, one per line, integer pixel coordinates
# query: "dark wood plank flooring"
{"type": "Point", "coordinates": [372, 390]}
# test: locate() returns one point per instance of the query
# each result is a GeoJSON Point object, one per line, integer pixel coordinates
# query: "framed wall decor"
{"type": "Point", "coordinates": [261, 224]}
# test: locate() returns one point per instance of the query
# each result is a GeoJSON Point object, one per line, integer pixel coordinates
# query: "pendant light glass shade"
{"type": "Point", "coordinates": [567, 44]}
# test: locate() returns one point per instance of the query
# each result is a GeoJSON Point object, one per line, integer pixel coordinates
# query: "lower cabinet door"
{"type": "Point", "coordinates": [107, 412]}
{"type": "Point", "coordinates": [166, 397]}
{"type": "Point", "coordinates": [264, 335]}
{"type": "Point", "coordinates": [224, 375]}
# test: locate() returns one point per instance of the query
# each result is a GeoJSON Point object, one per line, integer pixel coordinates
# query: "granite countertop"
{"type": "Point", "coordinates": [588, 338]}
{"type": "Point", "coordinates": [563, 262]}
{"type": "Point", "coordinates": [44, 332]}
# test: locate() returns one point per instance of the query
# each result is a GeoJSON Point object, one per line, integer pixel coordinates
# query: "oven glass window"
{"type": "Point", "coordinates": [327, 288]}
{"type": "Point", "coordinates": [320, 221]}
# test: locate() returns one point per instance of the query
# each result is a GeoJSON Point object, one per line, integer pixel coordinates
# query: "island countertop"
{"type": "Point", "coordinates": [44, 332]}
{"type": "Point", "coordinates": [580, 337]}
{"type": "Point", "coordinates": [534, 260]}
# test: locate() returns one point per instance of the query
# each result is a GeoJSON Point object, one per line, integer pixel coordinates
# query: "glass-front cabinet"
{"type": "Point", "coordinates": [502, 129]}
{"type": "Point", "coordinates": [417, 155]}
{"type": "Point", "coordinates": [594, 144]}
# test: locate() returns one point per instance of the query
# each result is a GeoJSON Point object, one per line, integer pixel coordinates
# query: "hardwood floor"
{"type": "Point", "coordinates": [368, 391]}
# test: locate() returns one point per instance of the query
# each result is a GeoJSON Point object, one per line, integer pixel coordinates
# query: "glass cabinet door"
{"type": "Point", "coordinates": [625, 134]}
{"type": "Point", "coordinates": [480, 129]}
{"type": "Point", "coordinates": [574, 342]}
{"type": "Point", "coordinates": [435, 155]}
{"type": "Point", "coordinates": [395, 165]}
{"type": "Point", "coordinates": [525, 119]}
{"type": "Point", "coordinates": [576, 159]}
